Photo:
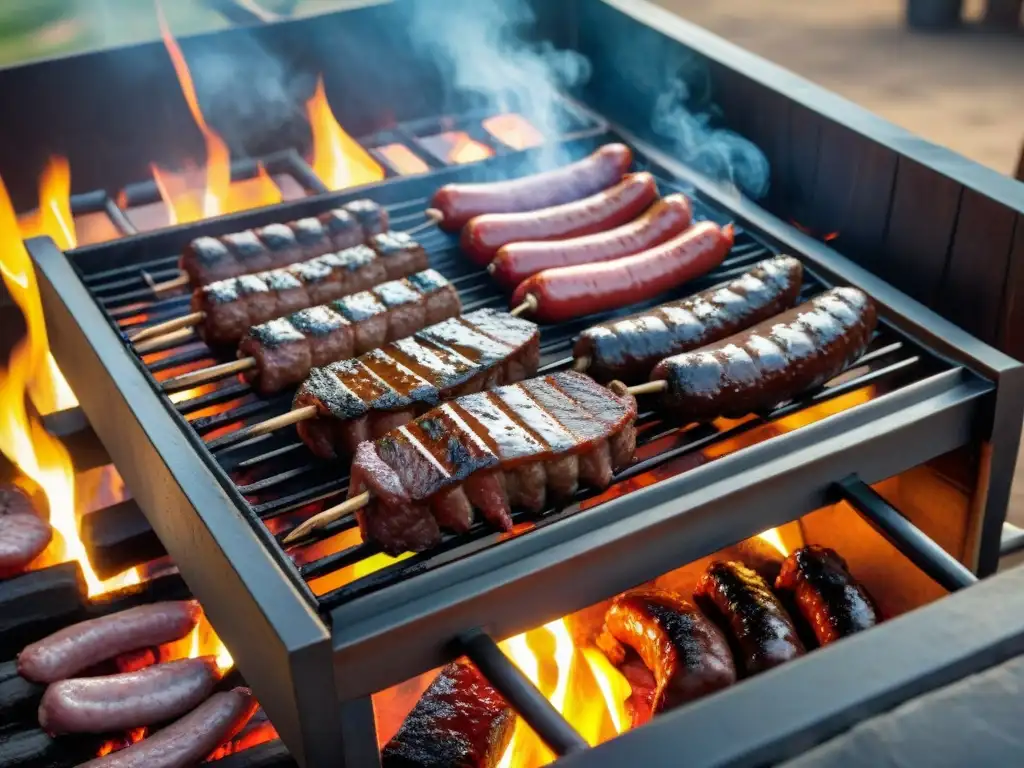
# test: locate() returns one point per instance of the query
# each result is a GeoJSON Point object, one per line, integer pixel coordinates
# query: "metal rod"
{"type": "Point", "coordinates": [938, 564]}
{"type": "Point", "coordinates": [523, 695]}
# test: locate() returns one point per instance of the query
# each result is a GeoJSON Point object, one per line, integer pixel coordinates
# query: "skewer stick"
{"type": "Point", "coordinates": [185, 321]}
{"type": "Point", "coordinates": [529, 305]}
{"type": "Point", "coordinates": [270, 425]}
{"type": "Point", "coordinates": [328, 516]}
{"type": "Point", "coordinates": [164, 342]}
{"type": "Point", "coordinates": [181, 281]}
{"type": "Point", "coordinates": [206, 375]}
{"type": "Point", "coordinates": [433, 217]}
{"type": "Point", "coordinates": [580, 364]}
{"type": "Point", "coordinates": [649, 388]}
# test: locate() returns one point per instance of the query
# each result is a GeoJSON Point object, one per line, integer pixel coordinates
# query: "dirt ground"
{"type": "Point", "coordinates": [962, 89]}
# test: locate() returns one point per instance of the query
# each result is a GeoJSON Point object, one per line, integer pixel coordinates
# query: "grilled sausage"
{"type": "Point", "coordinates": [628, 348]}
{"type": "Point", "coordinates": [564, 293]}
{"type": "Point", "coordinates": [208, 259]}
{"type": "Point", "coordinates": [484, 235]}
{"type": "Point", "coordinates": [188, 741]}
{"type": "Point", "coordinates": [459, 722]}
{"type": "Point", "coordinates": [128, 700]}
{"type": "Point", "coordinates": [79, 646]}
{"type": "Point", "coordinates": [23, 534]}
{"type": "Point", "coordinates": [687, 654]}
{"type": "Point", "coordinates": [826, 594]}
{"type": "Point", "coordinates": [739, 601]}
{"type": "Point", "coordinates": [458, 203]}
{"type": "Point", "coordinates": [776, 360]}
{"type": "Point", "coordinates": [665, 219]}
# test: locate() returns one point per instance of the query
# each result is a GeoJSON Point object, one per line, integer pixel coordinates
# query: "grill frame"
{"type": "Point", "coordinates": [907, 428]}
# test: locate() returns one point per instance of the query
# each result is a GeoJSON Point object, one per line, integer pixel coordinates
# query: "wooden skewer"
{"type": "Point", "coordinates": [529, 305]}
{"type": "Point", "coordinates": [328, 516]}
{"type": "Point", "coordinates": [164, 342]}
{"type": "Point", "coordinates": [185, 321]}
{"type": "Point", "coordinates": [206, 375]}
{"type": "Point", "coordinates": [434, 216]}
{"type": "Point", "coordinates": [181, 281]}
{"type": "Point", "coordinates": [649, 388]}
{"type": "Point", "coordinates": [263, 427]}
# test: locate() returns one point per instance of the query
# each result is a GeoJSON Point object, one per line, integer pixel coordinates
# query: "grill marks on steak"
{"type": "Point", "coordinates": [511, 447]}
{"type": "Point", "coordinates": [286, 349]}
{"type": "Point", "coordinates": [459, 722]}
{"type": "Point", "coordinates": [365, 397]}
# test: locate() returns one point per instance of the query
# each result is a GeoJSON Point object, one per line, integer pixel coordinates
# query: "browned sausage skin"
{"type": "Point", "coordinates": [755, 370]}
{"type": "Point", "coordinates": [74, 648]}
{"type": "Point", "coordinates": [827, 595]}
{"type": "Point", "coordinates": [23, 534]}
{"type": "Point", "coordinates": [743, 605]}
{"type": "Point", "coordinates": [128, 700]}
{"type": "Point", "coordinates": [688, 654]}
{"type": "Point", "coordinates": [188, 741]}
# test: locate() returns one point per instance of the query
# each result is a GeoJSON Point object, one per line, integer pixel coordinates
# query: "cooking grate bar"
{"type": "Point", "coordinates": [182, 358]}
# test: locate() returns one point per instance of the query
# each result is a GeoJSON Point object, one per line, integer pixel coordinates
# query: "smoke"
{"type": "Point", "coordinates": [480, 49]}
{"type": "Point", "coordinates": [684, 115]}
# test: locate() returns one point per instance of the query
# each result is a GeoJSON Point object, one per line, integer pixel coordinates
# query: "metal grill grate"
{"type": "Point", "coordinates": [279, 483]}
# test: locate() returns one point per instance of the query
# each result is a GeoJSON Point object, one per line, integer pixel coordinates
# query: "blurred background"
{"type": "Point", "coordinates": [961, 87]}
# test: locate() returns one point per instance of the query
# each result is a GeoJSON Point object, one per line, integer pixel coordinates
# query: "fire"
{"type": "Point", "coordinates": [773, 537]}
{"type": "Point", "coordinates": [32, 374]}
{"type": "Point", "coordinates": [579, 682]}
{"type": "Point", "coordinates": [403, 159]}
{"type": "Point", "coordinates": [513, 130]}
{"type": "Point", "coordinates": [204, 641]}
{"type": "Point", "coordinates": [465, 149]}
{"type": "Point", "coordinates": [338, 160]}
{"type": "Point", "coordinates": [195, 194]}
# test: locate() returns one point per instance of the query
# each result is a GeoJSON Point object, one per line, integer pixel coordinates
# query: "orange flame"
{"type": "Point", "coordinates": [579, 682]}
{"type": "Point", "coordinates": [773, 537]}
{"type": "Point", "coordinates": [338, 160]}
{"type": "Point", "coordinates": [32, 374]}
{"type": "Point", "coordinates": [464, 149]}
{"type": "Point", "coordinates": [513, 130]}
{"type": "Point", "coordinates": [196, 194]}
{"type": "Point", "coordinates": [403, 159]}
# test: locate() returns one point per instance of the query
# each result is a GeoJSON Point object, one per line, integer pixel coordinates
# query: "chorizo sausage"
{"type": "Point", "coordinates": [665, 219]}
{"type": "Point", "coordinates": [458, 203]}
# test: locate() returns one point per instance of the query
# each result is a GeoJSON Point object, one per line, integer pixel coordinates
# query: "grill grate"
{"type": "Point", "coordinates": [279, 483]}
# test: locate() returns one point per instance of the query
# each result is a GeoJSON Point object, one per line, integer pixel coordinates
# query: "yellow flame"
{"type": "Point", "coordinates": [615, 689]}
{"type": "Point", "coordinates": [773, 537]}
{"type": "Point", "coordinates": [338, 160]}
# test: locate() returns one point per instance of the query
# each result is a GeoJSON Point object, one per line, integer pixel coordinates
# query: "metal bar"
{"type": "Point", "coordinates": [251, 592]}
{"type": "Point", "coordinates": [546, 721]}
{"type": "Point", "coordinates": [404, 630]}
{"type": "Point", "coordinates": [119, 217]}
{"type": "Point", "coordinates": [938, 564]}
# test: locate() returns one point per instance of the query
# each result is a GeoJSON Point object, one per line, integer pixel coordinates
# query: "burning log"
{"type": "Point", "coordinates": [119, 537]}
{"type": "Point", "coordinates": [18, 696]}
{"type": "Point", "coordinates": [37, 749]}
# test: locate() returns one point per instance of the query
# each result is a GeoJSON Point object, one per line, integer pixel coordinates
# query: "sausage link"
{"type": "Point", "coordinates": [739, 601]}
{"type": "Point", "coordinates": [627, 348]}
{"type": "Point", "coordinates": [128, 700]}
{"type": "Point", "coordinates": [458, 203]}
{"type": "Point", "coordinates": [81, 645]}
{"type": "Point", "coordinates": [484, 235]}
{"type": "Point", "coordinates": [663, 220]}
{"type": "Point", "coordinates": [565, 293]}
{"type": "Point", "coordinates": [826, 594]}
{"type": "Point", "coordinates": [23, 534]}
{"type": "Point", "coordinates": [687, 654]}
{"type": "Point", "coordinates": [188, 741]}
{"type": "Point", "coordinates": [776, 360]}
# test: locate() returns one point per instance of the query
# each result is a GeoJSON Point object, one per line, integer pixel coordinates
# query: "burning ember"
{"type": "Point", "coordinates": [338, 160]}
{"type": "Point", "coordinates": [513, 130]}
{"type": "Point", "coordinates": [457, 147]}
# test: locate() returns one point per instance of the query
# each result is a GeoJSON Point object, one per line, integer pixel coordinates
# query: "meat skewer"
{"type": "Point", "coordinates": [459, 721]}
{"type": "Point", "coordinates": [826, 594]}
{"type": "Point", "coordinates": [209, 259]}
{"type": "Point", "coordinates": [628, 348]}
{"type": "Point", "coordinates": [349, 401]}
{"type": "Point", "coordinates": [777, 360]}
{"type": "Point", "coordinates": [565, 293]}
{"type": "Point", "coordinates": [686, 652]}
{"type": "Point", "coordinates": [514, 446]}
{"type": "Point", "coordinates": [282, 352]}
{"type": "Point", "coordinates": [223, 311]}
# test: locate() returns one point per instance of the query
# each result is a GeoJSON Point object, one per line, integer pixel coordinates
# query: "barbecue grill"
{"type": "Point", "coordinates": [315, 629]}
